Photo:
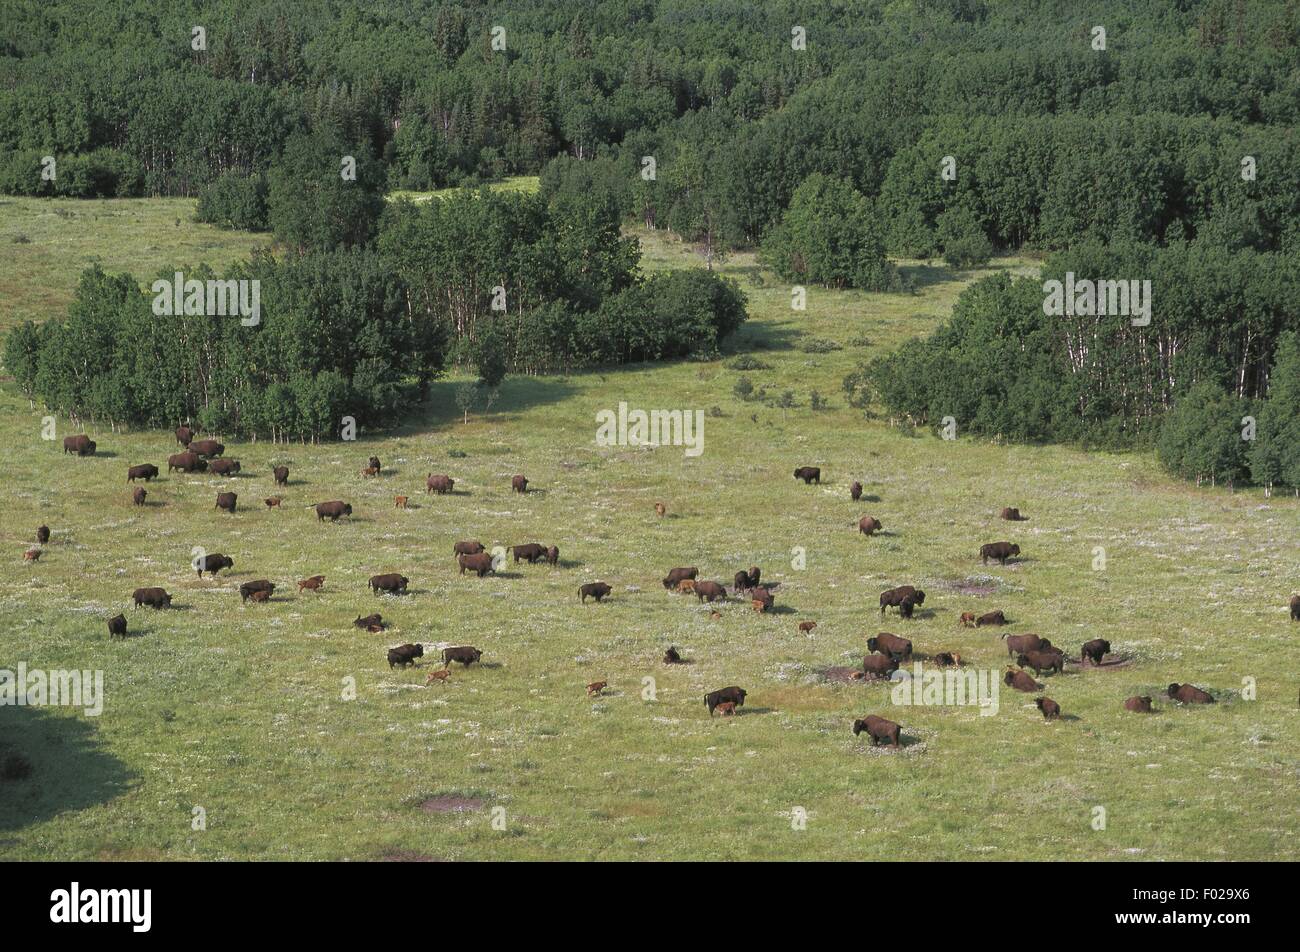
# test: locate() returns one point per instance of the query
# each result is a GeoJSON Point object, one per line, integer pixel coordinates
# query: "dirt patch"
{"type": "Point", "coordinates": [845, 676]}
{"type": "Point", "coordinates": [407, 856]}
{"type": "Point", "coordinates": [451, 804]}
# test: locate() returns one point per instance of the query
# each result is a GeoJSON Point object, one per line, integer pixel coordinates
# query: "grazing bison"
{"type": "Point", "coordinates": [404, 655]}
{"type": "Point", "coordinates": [948, 659]}
{"type": "Point", "coordinates": [896, 597]}
{"type": "Point", "coordinates": [42, 534]}
{"type": "Point", "coordinates": [391, 582]}
{"type": "Point", "coordinates": [80, 444]}
{"type": "Point", "coordinates": [809, 474]}
{"type": "Point", "coordinates": [877, 666]}
{"type": "Point", "coordinates": [1051, 710]}
{"type": "Point", "coordinates": [1295, 607]}
{"type": "Point", "coordinates": [313, 584]}
{"type": "Point", "coordinates": [726, 709]}
{"type": "Point", "coordinates": [473, 547]}
{"type": "Point", "coordinates": [596, 590]}
{"type": "Point", "coordinates": [212, 564]}
{"type": "Point", "coordinates": [186, 463]}
{"type": "Point", "coordinates": [760, 597]}
{"type": "Point", "coordinates": [1140, 704]}
{"type": "Point", "coordinates": [1042, 661]}
{"type": "Point", "coordinates": [117, 627]}
{"type": "Point", "coordinates": [258, 585]}
{"type": "Point", "coordinates": [998, 550]}
{"type": "Point", "coordinates": [184, 435]}
{"type": "Point", "coordinates": [1013, 515]}
{"type": "Point", "coordinates": [519, 484]}
{"type": "Point", "coordinates": [1188, 694]}
{"type": "Point", "coordinates": [807, 626]}
{"type": "Point", "coordinates": [226, 501]}
{"type": "Point", "coordinates": [464, 654]}
{"type": "Point", "coordinates": [530, 551]}
{"type": "Point", "coordinates": [552, 554]}
{"type": "Point", "coordinates": [709, 591]}
{"type": "Point", "coordinates": [480, 563]}
{"type": "Point", "coordinates": [399, 502]}
{"type": "Point", "coordinates": [892, 645]}
{"type": "Point", "coordinates": [676, 575]}
{"type": "Point", "coordinates": [868, 525]}
{"type": "Point", "coordinates": [596, 687]}
{"type": "Point", "coordinates": [991, 618]}
{"type": "Point", "coordinates": [741, 581]}
{"type": "Point", "coordinates": [138, 494]}
{"type": "Point", "coordinates": [1019, 644]}
{"type": "Point", "coordinates": [281, 474]}
{"type": "Point", "coordinates": [439, 484]}
{"type": "Point", "coordinates": [145, 471]}
{"type": "Point", "coordinates": [855, 491]}
{"type": "Point", "coordinates": [224, 467]}
{"type": "Point", "coordinates": [207, 448]}
{"type": "Point", "coordinates": [332, 510]}
{"type": "Point", "coordinates": [1094, 650]}
{"type": "Point", "coordinates": [733, 694]}
{"type": "Point", "coordinates": [369, 621]}
{"type": "Point", "coordinates": [671, 656]}
{"type": "Point", "coordinates": [153, 597]}
{"type": "Point", "coordinates": [879, 729]}
{"type": "Point", "coordinates": [909, 603]}
{"type": "Point", "coordinates": [1021, 681]}
{"type": "Point", "coordinates": [273, 502]}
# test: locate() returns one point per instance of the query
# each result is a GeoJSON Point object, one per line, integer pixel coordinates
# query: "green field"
{"type": "Point", "coordinates": [241, 710]}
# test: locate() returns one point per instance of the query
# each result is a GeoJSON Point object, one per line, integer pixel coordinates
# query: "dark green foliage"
{"type": "Point", "coordinates": [234, 201]}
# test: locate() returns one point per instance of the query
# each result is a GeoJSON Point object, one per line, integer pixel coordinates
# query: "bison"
{"type": "Point", "coordinates": [868, 525]}
{"type": "Point", "coordinates": [145, 471]}
{"type": "Point", "coordinates": [676, 575]}
{"type": "Point", "coordinates": [480, 563]}
{"type": "Point", "coordinates": [909, 602]}
{"type": "Point", "coordinates": [895, 596]}
{"type": "Point", "coordinates": [117, 627]}
{"type": "Point", "coordinates": [138, 494]}
{"type": "Point", "coordinates": [733, 694]}
{"type": "Point", "coordinates": [332, 510]}
{"type": "Point", "coordinates": [404, 655]}
{"type": "Point", "coordinates": [370, 621]}
{"type": "Point", "coordinates": [313, 584]}
{"type": "Point", "coordinates": [373, 463]}
{"type": "Point", "coordinates": [257, 585]}
{"type": "Point", "coordinates": [370, 471]}
{"type": "Point", "coordinates": [760, 597]}
{"type": "Point", "coordinates": [440, 676]}
{"type": "Point", "coordinates": [709, 591]}
{"type": "Point", "coordinates": [807, 626]}
{"type": "Point", "coordinates": [184, 435]}
{"type": "Point", "coordinates": [672, 657]}
{"type": "Point", "coordinates": [187, 463]}
{"type": "Point", "coordinates": [596, 688]}
{"type": "Point", "coordinates": [879, 666]}
{"type": "Point", "coordinates": [1021, 681]}
{"type": "Point", "coordinates": [1042, 661]}
{"type": "Point", "coordinates": [1051, 710]}
{"type": "Point", "coordinates": [660, 509]}
{"type": "Point", "coordinates": [947, 659]}
{"type": "Point", "coordinates": [596, 590]}
{"type": "Point", "coordinates": [686, 586]}
{"type": "Point", "coordinates": [967, 620]}
{"type": "Point", "coordinates": [226, 501]}
{"type": "Point", "coordinates": [1019, 644]}
{"type": "Point", "coordinates": [809, 474]}
{"type": "Point", "coordinates": [273, 502]}
{"type": "Point", "coordinates": [42, 534]}
{"type": "Point", "coordinates": [206, 448]}
{"type": "Point", "coordinates": [878, 729]}
{"type": "Point", "coordinates": [1094, 650]}
{"type": "Point", "coordinates": [726, 709]}
{"type": "Point", "coordinates": [224, 467]}
{"type": "Point", "coordinates": [552, 554]}
{"type": "Point", "coordinates": [153, 597]}
{"type": "Point", "coordinates": [281, 474]}
{"type": "Point", "coordinates": [991, 618]}
{"type": "Point", "coordinates": [391, 582]}
{"type": "Point", "coordinates": [998, 550]}
{"type": "Point", "coordinates": [1140, 704]}
{"type": "Point", "coordinates": [467, 548]}
{"type": "Point", "coordinates": [439, 484]}
{"type": "Point", "coordinates": [530, 551]}
{"type": "Point", "coordinates": [259, 596]}
{"type": "Point", "coordinates": [80, 444]}
{"type": "Point", "coordinates": [892, 645]}
{"type": "Point", "coordinates": [399, 502]}
{"type": "Point", "coordinates": [1295, 607]}
{"type": "Point", "coordinates": [1188, 694]}
{"type": "Point", "coordinates": [519, 484]}
{"type": "Point", "coordinates": [1012, 515]}
{"type": "Point", "coordinates": [212, 564]}
{"type": "Point", "coordinates": [464, 654]}
{"type": "Point", "coordinates": [31, 555]}
{"type": "Point", "coordinates": [855, 491]}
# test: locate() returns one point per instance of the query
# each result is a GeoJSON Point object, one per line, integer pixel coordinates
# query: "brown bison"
{"type": "Point", "coordinates": [725, 709]}
{"type": "Point", "coordinates": [892, 645]}
{"type": "Point", "coordinates": [117, 627]}
{"type": "Point", "coordinates": [1094, 650]}
{"type": "Point", "coordinates": [1140, 704]}
{"type": "Point", "coordinates": [530, 551]}
{"type": "Point", "coordinates": [855, 491]}
{"type": "Point", "coordinates": [744, 581]}
{"type": "Point", "coordinates": [313, 584]}
{"type": "Point", "coordinates": [1019, 644]}
{"type": "Point", "coordinates": [1042, 661]}
{"type": "Point", "coordinates": [80, 444]}
{"type": "Point", "coordinates": [896, 596]}
{"type": "Point", "coordinates": [370, 471]}
{"type": "Point", "coordinates": [462, 654]}
{"type": "Point", "coordinates": [138, 494]}
{"type": "Point", "coordinates": [32, 555]}
{"type": "Point", "coordinates": [404, 655]}
{"type": "Point", "coordinates": [373, 463]}
{"type": "Point", "coordinates": [998, 550]}
{"type": "Point", "coordinates": [596, 590]}
{"type": "Point", "coordinates": [187, 463]}
{"type": "Point", "coordinates": [258, 585]}
{"type": "Point", "coordinates": [145, 471]}
{"type": "Point", "coordinates": [760, 597]}
{"type": "Point", "coordinates": [880, 730]}
{"type": "Point", "coordinates": [1051, 710]}
{"type": "Point", "coordinates": [809, 474]}
{"type": "Point", "coordinates": [206, 448]}
{"type": "Point", "coordinates": [391, 582]}
{"type": "Point", "coordinates": [868, 525]}
{"type": "Point", "coordinates": [947, 659]}
{"type": "Point", "coordinates": [552, 554]}
{"type": "Point", "coordinates": [439, 484]}
{"type": "Point", "coordinates": [967, 620]}
{"type": "Point", "coordinates": [1021, 681]}
{"type": "Point", "coordinates": [473, 547]}
{"type": "Point", "coordinates": [686, 586]}
{"type": "Point", "coordinates": [224, 467]}
{"type": "Point", "coordinates": [1188, 694]}
{"type": "Point", "coordinates": [42, 534]}
{"type": "Point", "coordinates": [709, 591]}
{"type": "Point", "coordinates": [153, 597]}
{"type": "Point", "coordinates": [259, 596]}
{"type": "Point", "coordinates": [184, 435]}
{"type": "Point", "coordinates": [439, 676]}
{"type": "Point", "coordinates": [879, 666]}
{"type": "Point", "coordinates": [1012, 515]}
{"type": "Point", "coordinates": [671, 656]}
{"type": "Point", "coordinates": [226, 501]}
{"type": "Point", "coordinates": [519, 484]}
{"type": "Point", "coordinates": [399, 502]}
{"type": "Point", "coordinates": [991, 618]}
{"type": "Point", "coordinates": [676, 575]}
{"type": "Point", "coordinates": [212, 564]}
{"type": "Point", "coordinates": [596, 687]}
{"type": "Point", "coordinates": [332, 510]}
{"type": "Point", "coordinates": [281, 474]}
{"type": "Point", "coordinates": [370, 621]}
{"type": "Point", "coordinates": [733, 694]}
{"type": "Point", "coordinates": [660, 509]}
{"type": "Point", "coordinates": [1295, 607]}
{"type": "Point", "coordinates": [273, 502]}
{"type": "Point", "coordinates": [807, 626]}
{"type": "Point", "coordinates": [480, 563]}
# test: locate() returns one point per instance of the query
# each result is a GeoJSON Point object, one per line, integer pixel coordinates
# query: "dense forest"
{"type": "Point", "coordinates": [1156, 143]}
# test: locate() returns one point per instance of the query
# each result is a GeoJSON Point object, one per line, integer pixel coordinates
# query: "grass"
{"type": "Point", "coordinates": [240, 710]}
{"type": "Point", "coordinates": [514, 183]}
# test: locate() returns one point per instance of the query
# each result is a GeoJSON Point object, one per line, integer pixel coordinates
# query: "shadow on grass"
{"type": "Point", "coordinates": [53, 763]}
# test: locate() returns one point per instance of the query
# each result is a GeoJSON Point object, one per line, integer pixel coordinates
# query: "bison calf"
{"type": "Point", "coordinates": [596, 687]}
{"type": "Point", "coordinates": [117, 627]}
{"type": "Point", "coordinates": [1051, 710]}
{"type": "Point", "coordinates": [868, 525]}
{"type": "Point", "coordinates": [855, 491]}
{"type": "Point", "coordinates": [519, 484]}
{"type": "Point", "coordinates": [313, 584]}
{"type": "Point", "coordinates": [138, 494]}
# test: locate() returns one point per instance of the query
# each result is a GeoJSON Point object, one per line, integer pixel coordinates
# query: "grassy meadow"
{"type": "Point", "coordinates": [245, 711]}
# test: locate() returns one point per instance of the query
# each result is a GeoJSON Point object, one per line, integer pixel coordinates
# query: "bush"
{"type": "Point", "coordinates": [234, 201]}
{"type": "Point", "coordinates": [819, 345]}
{"type": "Point", "coordinates": [746, 362]}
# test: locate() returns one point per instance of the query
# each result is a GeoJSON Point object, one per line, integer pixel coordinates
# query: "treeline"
{"type": "Point", "coordinates": [1220, 346]}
